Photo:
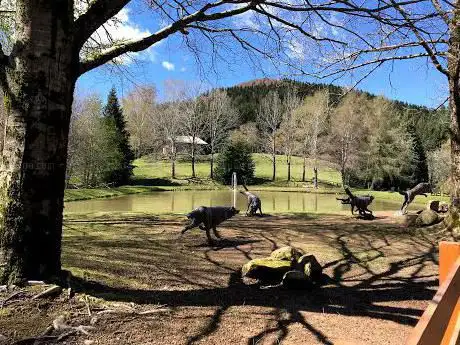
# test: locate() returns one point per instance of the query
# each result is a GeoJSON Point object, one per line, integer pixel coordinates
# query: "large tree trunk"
{"type": "Point", "coordinates": [453, 219]}
{"type": "Point", "coordinates": [38, 92]}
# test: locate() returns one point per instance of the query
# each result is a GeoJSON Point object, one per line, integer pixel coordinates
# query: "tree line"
{"type": "Point", "coordinates": [374, 142]}
{"type": "Point", "coordinates": [99, 151]}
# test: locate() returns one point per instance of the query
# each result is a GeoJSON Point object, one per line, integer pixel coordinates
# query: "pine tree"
{"type": "Point", "coordinates": [116, 124]}
{"type": "Point", "coordinates": [420, 172]}
{"type": "Point", "coordinates": [235, 157]}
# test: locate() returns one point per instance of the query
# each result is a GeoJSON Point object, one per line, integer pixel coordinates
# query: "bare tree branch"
{"type": "Point", "coordinates": [96, 15]}
{"type": "Point", "coordinates": [144, 43]}
{"type": "Point", "coordinates": [296, 27]}
{"type": "Point", "coordinates": [422, 41]}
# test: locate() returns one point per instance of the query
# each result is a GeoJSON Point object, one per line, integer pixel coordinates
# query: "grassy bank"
{"type": "Point", "coordinates": [93, 193]}
{"type": "Point", "coordinates": [148, 170]}
{"type": "Point", "coordinates": [154, 175]}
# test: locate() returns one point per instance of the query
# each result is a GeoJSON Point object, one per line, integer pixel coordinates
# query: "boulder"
{"type": "Point", "coordinates": [433, 205]}
{"type": "Point", "coordinates": [426, 218]}
{"type": "Point", "coordinates": [310, 267]}
{"type": "Point", "coordinates": [407, 220]}
{"type": "Point", "coordinates": [266, 268]}
{"type": "Point", "coordinates": [287, 253]}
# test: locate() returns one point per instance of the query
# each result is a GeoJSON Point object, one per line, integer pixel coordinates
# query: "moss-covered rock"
{"type": "Point", "coordinates": [287, 253]}
{"type": "Point", "coordinates": [426, 218]}
{"type": "Point", "coordinates": [266, 268]}
{"type": "Point", "coordinates": [452, 222]}
{"type": "Point", "coordinates": [310, 267]}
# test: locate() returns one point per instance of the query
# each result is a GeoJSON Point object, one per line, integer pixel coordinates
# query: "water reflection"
{"type": "Point", "coordinates": [184, 201]}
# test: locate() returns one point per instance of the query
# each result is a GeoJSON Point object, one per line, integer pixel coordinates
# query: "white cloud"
{"type": "Point", "coordinates": [118, 30]}
{"type": "Point", "coordinates": [183, 69]}
{"type": "Point", "coordinates": [247, 20]}
{"type": "Point", "coordinates": [168, 65]}
{"type": "Point", "coordinates": [297, 50]}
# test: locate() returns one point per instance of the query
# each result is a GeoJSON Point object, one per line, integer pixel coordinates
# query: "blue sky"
{"type": "Point", "coordinates": [411, 81]}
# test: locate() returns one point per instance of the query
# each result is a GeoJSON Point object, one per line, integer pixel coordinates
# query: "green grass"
{"type": "Point", "coordinates": [147, 168]}
{"type": "Point", "coordinates": [154, 175]}
{"type": "Point", "coordinates": [93, 193]}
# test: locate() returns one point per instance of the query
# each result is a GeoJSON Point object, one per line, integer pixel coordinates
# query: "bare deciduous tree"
{"type": "Point", "coordinates": [168, 118]}
{"type": "Point", "coordinates": [311, 121]}
{"type": "Point", "coordinates": [220, 117]}
{"type": "Point", "coordinates": [184, 95]}
{"type": "Point", "coordinates": [348, 131]}
{"type": "Point", "coordinates": [269, 117]}
{"type": "Point", "coordinates": [139, 108]}
{"type": "Point", "coordinates": [287, 130]}
{"type": "Point", "coordinates": [247, 133]}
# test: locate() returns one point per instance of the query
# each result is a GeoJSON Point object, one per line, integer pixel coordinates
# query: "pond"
{"type": "Point", "coordinates": [185, 201]}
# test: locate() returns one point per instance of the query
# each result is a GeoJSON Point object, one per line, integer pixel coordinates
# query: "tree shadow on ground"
{"type": "Point", "coordinates": [373, 268]}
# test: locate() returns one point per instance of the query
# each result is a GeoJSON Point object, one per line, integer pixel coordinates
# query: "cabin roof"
{"type": "Point", "coordinates": [187, 139]}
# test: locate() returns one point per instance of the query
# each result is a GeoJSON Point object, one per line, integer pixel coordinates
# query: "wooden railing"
{"type": "Point", "coordinates": [440, 323]}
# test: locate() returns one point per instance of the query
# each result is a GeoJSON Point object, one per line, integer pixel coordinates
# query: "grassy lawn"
{"type": "Point", "coordinates": [148, 168]}
{"type": "Point", "coordinates": [154, 175]}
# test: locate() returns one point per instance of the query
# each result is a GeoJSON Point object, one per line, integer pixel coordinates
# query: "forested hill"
{"type": "Point", "coordinates": [430, 126]}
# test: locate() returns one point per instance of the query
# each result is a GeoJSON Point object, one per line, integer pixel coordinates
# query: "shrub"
{"type": "Point", "coordinates": [235, 157]}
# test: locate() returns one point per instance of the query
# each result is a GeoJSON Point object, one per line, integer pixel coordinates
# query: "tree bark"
{"type": "Point", "coordinates": [274, 159]}
{"type": "Point", "coordinates": [193, 161]}
{"type": "Point", "coordinates": [454, 101]}
{"type": "Point", "coordinates": [453, 219]}
{"type": "Point", "coordinates": [212, 166]}
{"type": "Point", "coordinates": [315, 174]}
{"type": "Point", "coordinates": [289, 170]}
{"type": "Point", "coordinates": [38, 92]}
{"type": "Point", "coordinates": [303, 168]}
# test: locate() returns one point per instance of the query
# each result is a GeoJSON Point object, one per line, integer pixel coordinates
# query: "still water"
{"type": "Point", "coordinates": [185, 201]}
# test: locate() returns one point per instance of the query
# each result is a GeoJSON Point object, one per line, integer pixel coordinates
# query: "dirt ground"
{"type": "Point", "coordinates": [138, 282]}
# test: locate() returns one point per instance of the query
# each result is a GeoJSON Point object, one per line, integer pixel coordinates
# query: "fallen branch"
{"type": "Point", "coordinates": [87, 305]}
{"type": "Point", "coordinates": [35, 282]}
{"type": "Point", "coordinates": [13, 295]}
{"type": "Point", "coordinates": [159, 309]}
{"type": "Point", "coordinates": [49, 292]}
{"type": "Point", "coordinates": [154, 311]}
{"type": "Point", "coordinates": [66, 335]}
{"type": "Point", "coordinates": [60, 324]}
{"type": "Point", "coordinates": [32, 340]}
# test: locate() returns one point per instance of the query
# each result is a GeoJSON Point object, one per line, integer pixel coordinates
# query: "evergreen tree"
{"type": "Point", "coordinates": [420, 172]}
{"type": "Point", "coordinates": [235, 157]}
{"type": "Point", "coordinates": [116, 125]}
